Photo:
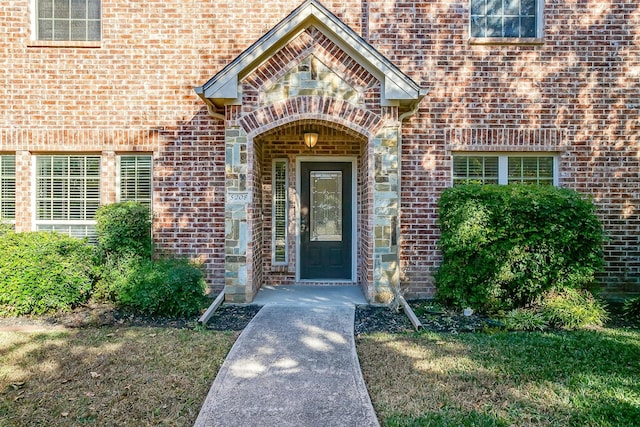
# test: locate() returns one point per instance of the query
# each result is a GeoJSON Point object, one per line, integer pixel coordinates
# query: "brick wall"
{"type": "Point", "coordinates": [132, 92]}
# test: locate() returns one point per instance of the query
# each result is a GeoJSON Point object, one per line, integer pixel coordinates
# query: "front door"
{"type": "Point", "coordinates": [326, 228]}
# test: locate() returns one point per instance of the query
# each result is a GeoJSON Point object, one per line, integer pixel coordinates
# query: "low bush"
{"type": "Point", "coordinates": [525, 319]}
{"type": "Point", "coordinates": [131, 279]}
{"type": "Point", "coordinates": [166, 287]}
{"type": "Point", "coordinates": [504, 246]}
{"type": "Point", "coordinates": [124, 229]}
{"type": "Point", "coordinates": [631, 308]}
{"type": "Point", "coordinates": [5, 229]}
{"type": "Point", "coordinates": [573, 309]}
{"type": "Point", "coordinates": [43, 272]}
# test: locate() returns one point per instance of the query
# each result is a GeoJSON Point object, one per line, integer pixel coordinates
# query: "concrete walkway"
{"type": "Point", "coordinates": [295, 364]}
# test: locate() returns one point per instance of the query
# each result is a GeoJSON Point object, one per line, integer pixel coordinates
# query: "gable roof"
{"type": "Point", "coordinates": [397, 87]}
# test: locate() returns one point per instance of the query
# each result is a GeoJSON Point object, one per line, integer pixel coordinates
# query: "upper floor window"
{"type": "Point", "coordinates": [504, 169]}
{"type": "Point", "coordinates": [505, 18]}
{"type": "Point", "coordinates": [68, 20]}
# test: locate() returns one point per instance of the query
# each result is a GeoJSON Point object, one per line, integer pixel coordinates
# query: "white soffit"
{"type": "Point", "coordinates": [398, 88]}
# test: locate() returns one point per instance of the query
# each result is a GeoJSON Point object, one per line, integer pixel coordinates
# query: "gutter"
{"type": "Point", "coordinates": [211, 109]}
{"type": "Point", "coordinates": [413, 111]}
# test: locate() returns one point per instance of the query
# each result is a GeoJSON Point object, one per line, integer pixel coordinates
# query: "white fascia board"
{"type": "Point", "coordinates": [394, 91]}
{"type": "Point", "coordinates": [226, 82]}
{"type": "Point", "coordinates": [397, 86]}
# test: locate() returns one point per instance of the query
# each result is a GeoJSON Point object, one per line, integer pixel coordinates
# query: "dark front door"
{"type": "Point", "coordinates": [326, 227]}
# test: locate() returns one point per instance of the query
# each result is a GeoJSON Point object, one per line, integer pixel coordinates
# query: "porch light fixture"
{"type": "Point", "coordinates": [310, 139]}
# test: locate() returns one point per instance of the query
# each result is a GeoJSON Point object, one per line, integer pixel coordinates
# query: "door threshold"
{"type": "Point", "coordinates": [314, 282]}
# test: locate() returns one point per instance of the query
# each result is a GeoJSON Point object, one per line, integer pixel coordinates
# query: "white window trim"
{"type": "Point", "coordinates": [503, 162]}
{"type": "Point", "coordinates": [538, 39]}
{"type": "Point", "coordinates": [273, 213]}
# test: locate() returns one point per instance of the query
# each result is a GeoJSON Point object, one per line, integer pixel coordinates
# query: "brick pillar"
{"type": "Point", "coordinates": [386, 268]}
{"type": "Point", "coordinates": [24, 219]}
{"type": "Point", "coordinates": [108, 172]}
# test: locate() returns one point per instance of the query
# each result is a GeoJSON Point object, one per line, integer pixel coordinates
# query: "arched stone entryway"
{"type": "Point", "coordinates": [310, 72]}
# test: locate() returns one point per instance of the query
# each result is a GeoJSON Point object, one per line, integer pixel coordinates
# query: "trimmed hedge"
{"type": "Point", "coordinates": [504, 246]}
{"type": "Point", "coordinates": [124, 229]}
{"type": "Point", "coordinates": [165, 287]}
{"type": "Point", "coordinates": [131, 279]}
{"type": "Point", "coordinates": [43, 272]}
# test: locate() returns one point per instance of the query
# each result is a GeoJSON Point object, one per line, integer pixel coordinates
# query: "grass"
{"type": "Point", "coordinates": [107, 376]}
{"type": "Point", "coordinates": [160, 376]}
{"type": "Point", "coordinates": [580, 378]}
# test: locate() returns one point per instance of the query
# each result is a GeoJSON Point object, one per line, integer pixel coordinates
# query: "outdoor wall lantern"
{"type": "Point", "coordinates": [310, 139]}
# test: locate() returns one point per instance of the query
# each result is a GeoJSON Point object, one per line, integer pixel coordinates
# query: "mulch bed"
{"type": "Point", "coordinates": [226, 318]}
{"type": "Point", "coordinates": [371, 319]}
{"type": "Point", "coordinates": [368, 319]}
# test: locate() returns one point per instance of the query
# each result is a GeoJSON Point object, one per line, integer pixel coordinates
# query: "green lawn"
{"type": "Point", "coordinates": [107, 376]}
{"type": "Point", "coordinates": [155, 376]}
{"type": "Point", "coordinates": [581, 378]}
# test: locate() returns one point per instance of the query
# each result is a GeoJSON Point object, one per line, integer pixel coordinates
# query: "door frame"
{"type": "Point", "coordinates": [354, 213]}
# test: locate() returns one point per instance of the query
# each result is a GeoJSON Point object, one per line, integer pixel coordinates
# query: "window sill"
{"type": "Point", "coordinates": [500, 41]}
{"type": "Point", "coordinates": [59, 43]}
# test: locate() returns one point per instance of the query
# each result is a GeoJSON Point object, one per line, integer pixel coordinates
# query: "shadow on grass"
{"type": "Point", "coordinates": [107, 376]}
{"type": "Point", "coordinates": [587, 378]}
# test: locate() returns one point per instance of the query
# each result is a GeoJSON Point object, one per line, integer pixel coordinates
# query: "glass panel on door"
{"type": "Point", "coordinates": [326, 206]}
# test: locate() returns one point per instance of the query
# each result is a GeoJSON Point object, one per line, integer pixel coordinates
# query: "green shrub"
{"type": "Point", "coordinates": [5, 229]}
{"type": "Point", "coordinates": [166, 287]}
{"type": "Point", "coordinates": [525, 319]}
{"type": "Point", "coordinates": [123, 229]}
{"type": "Point", "coordinates": [133, 281]}
{"type": "Point", "coordinates": [573, 309]}
{"type": "Point", "coordinates": [631, 308]}
{"type": "Point", "coordinates": [43, 272]}
{"type": "Point", "coordinates": [504, 246]}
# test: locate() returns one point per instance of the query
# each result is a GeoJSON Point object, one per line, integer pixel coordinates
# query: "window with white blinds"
{"type": "Point", "coordinates": [7, 188]}
{"type": "Point", "coordinates": [531, 170]}
{"type": "Point", "coordinates": [68, 20]}
{"type": "Point", "coordinates": [504, 169]}
{"type": "Point", "coordinates": [475, 170]}
{"type": "Point", "coordinates": [135, 175]}
{"type": "Point", "coordinates": [280, 208]}
{"type": "Point", "coordinates": [67, 194]}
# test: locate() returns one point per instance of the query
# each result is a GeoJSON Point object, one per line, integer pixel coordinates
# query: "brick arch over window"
{"type": "Point", "coordinates": [309, 109]}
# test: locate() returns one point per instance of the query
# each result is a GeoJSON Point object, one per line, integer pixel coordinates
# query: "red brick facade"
{"type": "Point", "coordinates": [573, 93]}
